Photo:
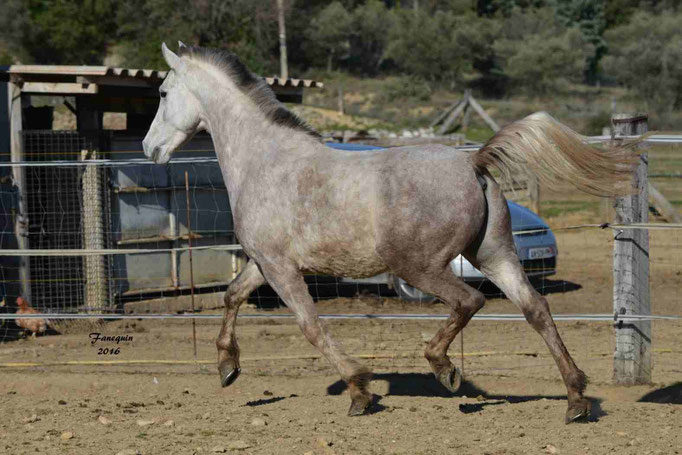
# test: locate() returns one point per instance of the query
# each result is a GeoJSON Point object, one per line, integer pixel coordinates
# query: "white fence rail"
{"type": "Point", "coordinates": [652, 139]}
{"type": "Point", "coordinates": [615, 318]}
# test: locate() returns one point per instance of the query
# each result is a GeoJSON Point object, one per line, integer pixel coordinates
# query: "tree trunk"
{"type": "Point", "coordinates": [283, 65]}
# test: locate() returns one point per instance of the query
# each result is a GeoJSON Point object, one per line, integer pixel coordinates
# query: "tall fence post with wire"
{"type": "Point", "coordinates": [632, 356]}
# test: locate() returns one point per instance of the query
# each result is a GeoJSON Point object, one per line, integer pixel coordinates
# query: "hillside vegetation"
{"type": "Point", "coordinates": [395, 103]}
{"type": "Point", "coordinates": [554, 54]}
{"type": "Point", "coordinates": [400, 62]}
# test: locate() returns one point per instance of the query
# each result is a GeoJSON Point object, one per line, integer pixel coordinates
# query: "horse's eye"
{"type": "Point", "coordinates": [162, 93]}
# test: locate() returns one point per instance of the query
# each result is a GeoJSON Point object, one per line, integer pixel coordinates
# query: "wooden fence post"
{"type": "Point", "coordinates": [632, 356]}
{"type": "Point", "coordinates": [15, 99]}
{"type": "Point", "coordinates": [341, 107]}
{"type": "Point", "coordinates": [89, 122]}
{"type": "Point", "coordinates": [92, 221]}
{"type": "Point", "coordinates": [533, 185]}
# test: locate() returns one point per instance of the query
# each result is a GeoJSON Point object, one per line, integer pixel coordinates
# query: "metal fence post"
{"type": "Point", "coordinates": [632, 356]}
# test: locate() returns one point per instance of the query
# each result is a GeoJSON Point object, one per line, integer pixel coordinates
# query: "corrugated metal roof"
{"type": "Point", "coordinates": [292, 82]}
{"type": "Point", "coordinates": [60, 72]}
{"type": "Point", "coordinates": [45, 72]}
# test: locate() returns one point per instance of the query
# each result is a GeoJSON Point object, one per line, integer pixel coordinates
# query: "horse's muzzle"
{"type": "Point", "coordinates": [156, 152]}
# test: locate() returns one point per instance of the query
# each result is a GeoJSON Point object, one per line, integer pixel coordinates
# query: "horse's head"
{"type": "Point", "coordinates": [179, 115]}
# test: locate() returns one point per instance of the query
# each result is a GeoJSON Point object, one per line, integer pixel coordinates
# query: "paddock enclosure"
{"type": "Point", "coordinates": [98, 238]}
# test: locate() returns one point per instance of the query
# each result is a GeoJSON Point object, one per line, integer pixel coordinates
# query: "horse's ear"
{"type": "Point", "coordinates": [181, 44]}
{"type": "Point", "coordinates": [172, 60]}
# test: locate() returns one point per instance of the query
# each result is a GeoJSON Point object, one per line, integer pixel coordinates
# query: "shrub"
{"type": "Point", "coordinates": [371, 24]}
{"type": "Point", "coordinates": [330, 32]}
{"type": "Point", "coordinates": [405, 87]}
{"type": "Point", "coordinates": [538, 54]}
{"type": "Point", "coordinates": [646, 57]}
{"type": "Point", "coordinates": [427, 46]}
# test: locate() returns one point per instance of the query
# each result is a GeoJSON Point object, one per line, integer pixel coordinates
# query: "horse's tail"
{"type": "Point", "coordinates": [555, 153]}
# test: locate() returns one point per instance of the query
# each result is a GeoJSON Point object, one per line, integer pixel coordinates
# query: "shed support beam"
{"type": "Point", "coordinates": [15, 98]}
{"type": "Point", "coordinates": [59, 88]}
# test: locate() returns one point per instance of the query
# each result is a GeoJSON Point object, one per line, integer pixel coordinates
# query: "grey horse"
{"type": "Point", "coordinates": [301, 207]}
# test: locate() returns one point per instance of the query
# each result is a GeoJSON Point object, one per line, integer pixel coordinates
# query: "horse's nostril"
{"type": "Point", "coordinates": [155, 152]}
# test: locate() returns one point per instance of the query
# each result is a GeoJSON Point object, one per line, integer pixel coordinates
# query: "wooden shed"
{"type": "Point", "coordinates": [92, 207]}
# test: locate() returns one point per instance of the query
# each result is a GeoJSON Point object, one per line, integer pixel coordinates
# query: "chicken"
{"type": "Point", "coordinates": [34, 325]}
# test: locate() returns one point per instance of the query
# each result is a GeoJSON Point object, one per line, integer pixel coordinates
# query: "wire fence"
{"type": "Point", "coordinates": [275, 347]}
{"type": "Point", "coordinates": [129, 214]}
{"type": "Point", "coordinates": [108, 241]}
{"type": "Point", "coordinates": [103, 231]}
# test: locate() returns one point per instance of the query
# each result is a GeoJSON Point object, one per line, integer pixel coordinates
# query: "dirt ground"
{"type": "Point", "coordinates": [60, 396]}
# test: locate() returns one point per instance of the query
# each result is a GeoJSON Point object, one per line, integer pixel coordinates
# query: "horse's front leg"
{"type": "Point", "coordinates": [228, 350]}
{"type": "Point", "coordinates": [289, 284]}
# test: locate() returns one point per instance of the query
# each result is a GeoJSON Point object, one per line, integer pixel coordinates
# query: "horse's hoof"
{"type": "Point", "coordinates": [229, 372]}
{"type": "Point", "coordinates": [451, 378]}
{"type": "Point", "coordinates": [578, 411]}
{"type": "Point", "coordinates": [359, 407]}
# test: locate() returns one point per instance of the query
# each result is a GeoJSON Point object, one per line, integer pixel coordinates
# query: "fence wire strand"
{"type": "Point", "coordinates": [138, 232]}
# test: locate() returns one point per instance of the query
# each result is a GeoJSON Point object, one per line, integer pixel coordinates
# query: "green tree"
{"type": "Point", "coordinates": [491, 8]}
{"type": "Point", "coordinates": [618, 12]}
{"type": "Point", "coordinates": [330, 31]}
{"type": "Point", "coordinates": [477, 37]}
{"type": "Point", "coordinates": [588, 16]}
{"type": "Point", "coordinates": [646, 57]}
{"type": "Point", "coordinates": [539, 54]}
{"type": "Point", "coordinates": [14, 25]}
{"type": "Point", "coordinates": [427, 46]}
{"type": "Point", "coordinates": [371, 25]}
{"type": "Point", "coordinates": [58, 31]}
{"type": "Point", "coordinates": [144, 24]}
{"type": "Point", "coordinates": [246, 27]}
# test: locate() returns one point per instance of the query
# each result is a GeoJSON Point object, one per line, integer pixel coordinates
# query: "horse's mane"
{"type": "Point", "coordinates": [253, 86]}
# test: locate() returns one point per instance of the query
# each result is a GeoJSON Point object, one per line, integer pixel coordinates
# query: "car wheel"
{"type": "Point", "coordinates": [410, 293]}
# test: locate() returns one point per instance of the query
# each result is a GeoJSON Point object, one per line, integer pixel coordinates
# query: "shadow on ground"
{"type": "Point", "coordinates": [425, 385]}
{"type": "Point", "coordinates": [546, 287]}
{"type": "Point", "coordinates": [322, 288]}
{"type": "Point", "coordinates": [263, 401]}
{"type": "Point", "coordinates": [543, 286]}
{"type": "Point", "coordinates": [671, 394]}
{"type": "Point", "coordinates": [326, 287]}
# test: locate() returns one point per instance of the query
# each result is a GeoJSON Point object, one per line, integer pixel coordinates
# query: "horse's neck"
{"type": "Point", "coordinates": [248, 145]}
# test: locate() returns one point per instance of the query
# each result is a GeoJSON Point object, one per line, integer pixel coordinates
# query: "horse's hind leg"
{"type": "Point", "coordinates": [464, 302]}
{"type": "Point", "coordinates": [288, 282]}
{"type": "Point", "coordinates": [504, 269]}
{"type": "Point", "coordinates": [494, 254]}
{"type": "Point", "coordinates": [228, 349]}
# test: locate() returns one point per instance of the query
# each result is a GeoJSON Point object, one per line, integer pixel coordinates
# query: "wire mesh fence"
{"type": "Point", "coordinates": [76, 204]}
{"type": "Point", "coordinates": [110, 237]}
{"type": "Point", "coordinates": [60, 217]}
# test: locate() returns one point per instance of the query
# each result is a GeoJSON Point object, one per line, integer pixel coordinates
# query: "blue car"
{"type": "Point", "coordinates": [535, 246]}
